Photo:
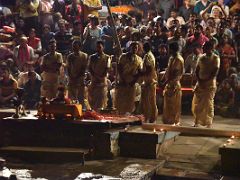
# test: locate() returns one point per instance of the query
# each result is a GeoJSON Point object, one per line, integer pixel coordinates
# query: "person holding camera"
{"type": "Point", "coordinates": [201, 6]}
{"type": "Point", "coordinates": [175, 20]}
{"type": "Point", "coordinates": [217, 12]}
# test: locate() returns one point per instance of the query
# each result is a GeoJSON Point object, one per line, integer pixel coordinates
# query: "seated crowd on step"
{"type": "Point", "coordinates": [40, 39]}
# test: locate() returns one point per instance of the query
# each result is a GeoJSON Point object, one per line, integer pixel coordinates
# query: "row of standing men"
{"type": "Point", "coordinates": [132, 69]}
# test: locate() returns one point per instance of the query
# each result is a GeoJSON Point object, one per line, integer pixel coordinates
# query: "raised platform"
{"type": "Point", "coordinates": [52, 133]}
{"type": "Point", "coordinates": [189, 157]}
{"type": "Point", "coordinates": [104, 139]}
{"type": "Point", "coordinates": [99, 137]}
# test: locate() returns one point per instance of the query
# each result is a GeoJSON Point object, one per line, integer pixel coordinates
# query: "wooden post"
{"type": "Point", "coordinates": [116, 39]}
{"type": "Point", "coordinates": [191, 130]}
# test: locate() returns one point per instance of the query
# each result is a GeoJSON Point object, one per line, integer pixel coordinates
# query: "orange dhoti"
{"type": "Point", "coordinates": [125, 98]}
{"type": "Point", "coordinates": [148, 102]}
{"type": "Point", "coordinates": [203, 105]}
{"type": "Point", "coordinates": [172, 103]}
{"type": "Point", "coordinates": [98, 96]}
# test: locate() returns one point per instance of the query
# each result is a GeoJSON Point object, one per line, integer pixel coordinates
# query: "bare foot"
{"type": "Point", "coordinates": [195, 125]}
{"type": "Point", "coordinates": [178, 124]}
{"type": "Point", "coordinates": [209, 126]}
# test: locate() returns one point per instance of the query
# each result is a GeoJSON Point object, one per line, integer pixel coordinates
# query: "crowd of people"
{"type": "Point", "coordinates": [51, 43]}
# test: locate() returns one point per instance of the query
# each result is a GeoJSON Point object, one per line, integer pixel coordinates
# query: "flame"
{"type": "Point", "coordinates": [232, 137]}
{"type": "Point", "coordinates": [154, 130]}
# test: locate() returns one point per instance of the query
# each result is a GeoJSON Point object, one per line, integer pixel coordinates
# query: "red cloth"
{"type": "Point", "coordinates": [8, 29]}
{"type": "Point", "coordinates": [93, 115]}
{"type": "Point", "coordinates": [71, 13]}
{"type": "Point", "coordinates": [201, 40]}
{"type": "Point", "coordinates": [33, 42]}
{"type": "Point", "coordinates": [159, 90]}
{"type": "Point", "coordinates": [23, 54]}
{"type": "Point", "coordinates": [187, 89]}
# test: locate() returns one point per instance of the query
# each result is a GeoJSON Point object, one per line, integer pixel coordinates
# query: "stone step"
{"type": "Point", "coordinates": [45, 154]}
{"type": "Point", "coordinates": [45, 133]}
{"type": "Point", "coordinates": [139, 143]}
{"type": "Point", "coordinates": [178, 174]}
{"type": "Point", "coordinates": [105, 145]}
{"type": "Point", "coordinates": [6, 112]}
{"type": "Point", "coordinates": [141, 171]}
{"type": "Point", "coordinates": [230, 157]}
{"type": "Point", "coordinates": [121, 169]}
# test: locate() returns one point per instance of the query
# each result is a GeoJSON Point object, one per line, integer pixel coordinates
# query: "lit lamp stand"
{"type": "Point", "coordinates": [18, 104]}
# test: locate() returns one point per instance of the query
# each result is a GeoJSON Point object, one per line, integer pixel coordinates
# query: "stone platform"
{"type": "Point", "coordinates": [30, 131]}
{"type": "Point", "coordinates": [140, 143]}
{"type": "Point", "coordinates": [6, 112]}
{"type": "Point", "coordinates": [45, 154]}
{"type": "Point", "coordinates": [197, 157]}
{"type": "Point", "coordinates": [230, 157]}
{"type": "Point", "coordinates": [186, 157]}
{"type": "Point", "coordinates": [100, 139]}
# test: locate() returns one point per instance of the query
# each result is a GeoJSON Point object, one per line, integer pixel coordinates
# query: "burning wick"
{"type": "Point", "coordinates": [224, 145]}
{"type": "Point", "coordinates": [174, 124]}
{"type": "Point", "coordinates": [154, 130]}
{"type": "Point", "coordinates": [229, 140]}
{"type": "Point", "coordinates": [127, 127]}
{"type": "Point", "coordinates": [232, 137]}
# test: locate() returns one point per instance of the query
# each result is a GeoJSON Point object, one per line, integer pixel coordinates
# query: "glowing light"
{"type": "Point", "coordinates": [224, 145]}
{"type": "Point", "coordinates": [232, 137]}
{"type": "Point", "coordinates": [229, 140]}
{"type": "Point", "coordinates": [161, 130]}
{"type": "Point", "coordinates": [154, 130]}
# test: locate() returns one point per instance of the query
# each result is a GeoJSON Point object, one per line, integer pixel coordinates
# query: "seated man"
{"type": "Point", "coordinates": [61, 97]}
{"type": "Point", "coordinates": [8, 85]}
{"type": "Point", "coordinates": [225, 99]}
{"type": "Point", "coordinates": [23, 77]}
{"type": "Point", "coordinates": [23, 53]}
{"type": "Point", "coordinates": [32, 90]}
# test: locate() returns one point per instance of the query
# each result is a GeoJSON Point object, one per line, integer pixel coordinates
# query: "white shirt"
{"type": "Point", "coordinates": [179, 18]}
{"type": "Point", "coordinates": [6, 11]}
{"type": "Point", "coordinates": [191, 62]}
